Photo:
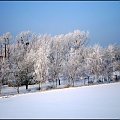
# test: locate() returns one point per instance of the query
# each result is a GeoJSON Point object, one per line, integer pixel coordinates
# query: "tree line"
{"type": "Point", "coordinates": [45, 58]}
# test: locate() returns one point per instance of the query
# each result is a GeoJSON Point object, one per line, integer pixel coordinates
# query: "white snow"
{"type": "Point", "coordinates": [97, 101]}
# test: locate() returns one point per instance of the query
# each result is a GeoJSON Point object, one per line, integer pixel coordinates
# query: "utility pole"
{"type": "Point", "coordinates": [5, 47]}
{"type": "Point", "coordinates": [8, 48]}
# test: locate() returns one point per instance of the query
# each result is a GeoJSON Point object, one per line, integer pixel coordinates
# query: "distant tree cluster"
{"type": "Point", "coordinates": [44, 58]}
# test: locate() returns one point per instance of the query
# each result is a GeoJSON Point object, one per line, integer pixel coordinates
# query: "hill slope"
{"type": "Point", "coordinates": [98, 101]}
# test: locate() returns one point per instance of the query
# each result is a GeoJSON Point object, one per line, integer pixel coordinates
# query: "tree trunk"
{"type": "Point", "coordinates": [56, 83]}
{"type": "Point", "coordinates": [96, 78]}
{"type": "Point", "coordinates": [59, 81]}
{"type": "Point", "coordinates": [68, 81]}
{"type": "Point", "coordinates": [84, 81]}
{"type": "Point", "coordinates": [73, 82]}
{"type": "Point", "coordinates": [107, 78]}
{"type": "Point", "coordinates": [53, 83]}
{"type": "Point", "coordinates": [39, 86]}
{"type": "Point", "coordinates": [0, 89]}
{"type": "Point", "coordinates": [26, 86]}
{"type": "Point", "coordinates": [88, 80]}
{"type": "Point", "coordinates": [18, 91]}
{"type": "Point", "coordinates": [116, 78]}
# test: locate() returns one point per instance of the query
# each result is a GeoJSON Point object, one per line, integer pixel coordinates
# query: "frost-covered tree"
{"type": "Point", "coordinates": [4, 57]}
{"type": "Point", "coordinates": [74, 63]}
{"type": "Point", "coordinates": [55, 59]}
{"type": "Point", "coordinates": [108, 61]}
{"type": "Point", "coordinates": [41, 59]}
{"type": "Point", "coordinates": [26, 67]}
{"type": "Point", "coordinates": [112, 57]}
{"type": "Point", "coordinates": [117, 58]}
{"type": "Point", "coordinates": [17, 60]}
{"type": "Point", "coordinates": [96, 61]}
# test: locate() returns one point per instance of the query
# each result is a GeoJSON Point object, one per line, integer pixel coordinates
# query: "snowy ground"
{"type": "Point", "coordinates": [6, 91]}
{"type": "Point", "coordinates": [97, 101]}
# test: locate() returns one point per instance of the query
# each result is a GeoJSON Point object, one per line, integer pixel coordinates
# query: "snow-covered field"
{"type": "Point", "coordinates": [97, 101]}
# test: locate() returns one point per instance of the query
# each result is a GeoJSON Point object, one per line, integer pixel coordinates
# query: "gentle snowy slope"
{"type": "Point", "coordinates": [98, 101]}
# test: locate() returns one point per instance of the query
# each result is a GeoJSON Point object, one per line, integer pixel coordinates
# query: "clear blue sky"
{"type": "Point", "coordinates": [101, 19]}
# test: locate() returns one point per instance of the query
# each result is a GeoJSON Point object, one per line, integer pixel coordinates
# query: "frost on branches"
{"type": "Point", "coordinates": [43, 59]}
